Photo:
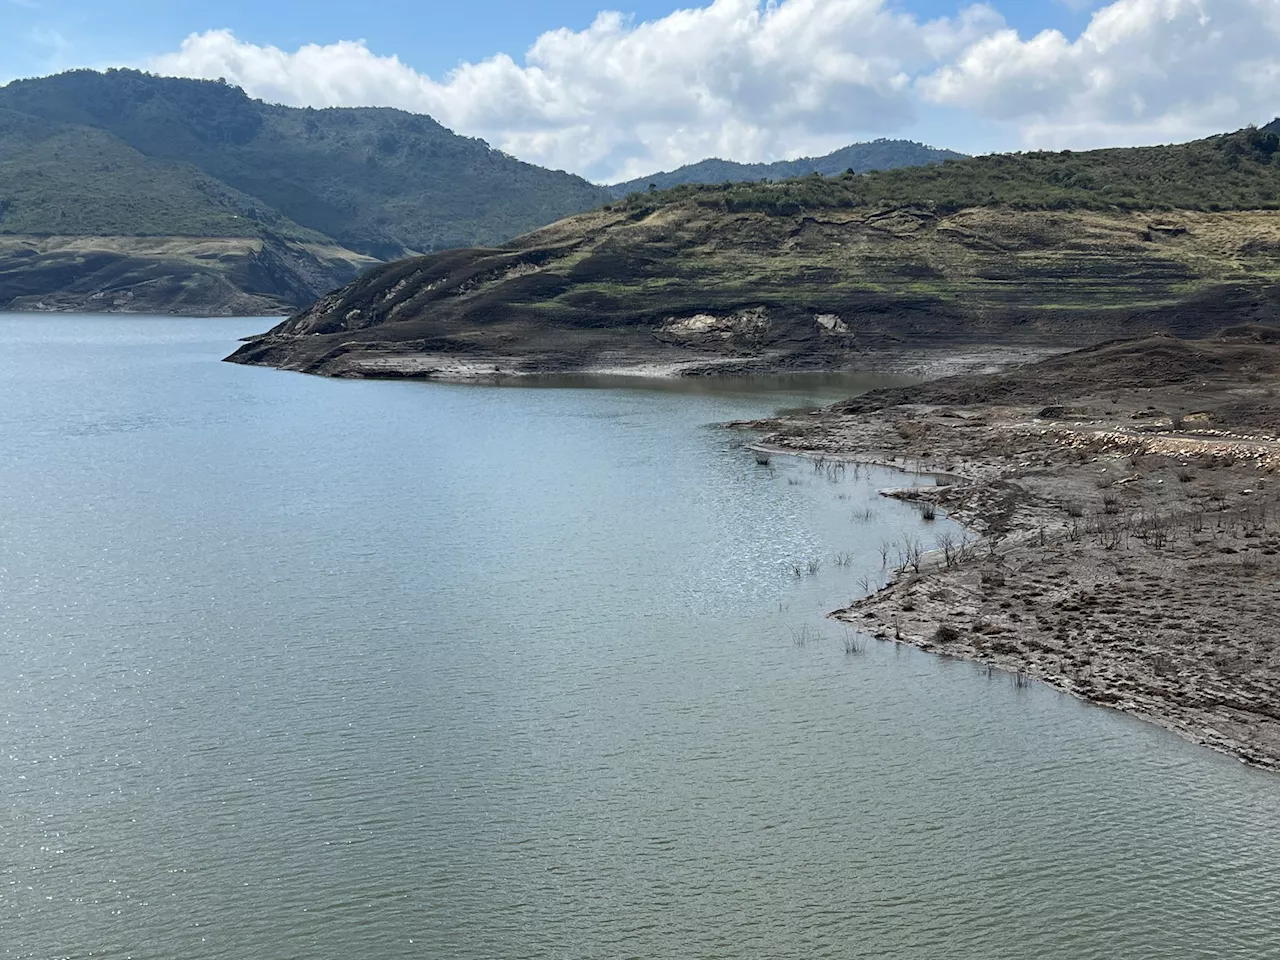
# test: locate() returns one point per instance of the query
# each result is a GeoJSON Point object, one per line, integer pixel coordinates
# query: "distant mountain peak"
{"type": "Point", "coordinates": [882, 154]}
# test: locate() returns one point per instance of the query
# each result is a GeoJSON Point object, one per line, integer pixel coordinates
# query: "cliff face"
{"type": "Point", "coordinates": [687, 283]}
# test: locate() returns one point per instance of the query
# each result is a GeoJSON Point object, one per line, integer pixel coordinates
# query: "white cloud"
{"type": "Point", "coordinates": [733, 78]}
{"type": "Point", "coordinates": [753, 81]}
{"type": "Point", "coordinates": [1142, 71]}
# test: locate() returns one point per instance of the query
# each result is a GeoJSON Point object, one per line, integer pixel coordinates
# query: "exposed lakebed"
{"type": "Point", "coordinates": [300, 667]}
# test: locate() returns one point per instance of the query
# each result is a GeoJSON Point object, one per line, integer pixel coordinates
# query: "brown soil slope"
{"type": "Point", "coordinates": [686, 284]}
{"type": "Point", "coordinates": [1124, 526]}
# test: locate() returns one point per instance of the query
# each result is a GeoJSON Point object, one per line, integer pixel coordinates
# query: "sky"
{"type": "Point", "coordinates": [618, 90]}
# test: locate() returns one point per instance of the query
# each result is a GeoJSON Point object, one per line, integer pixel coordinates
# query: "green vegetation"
{"type": "Point", "coordinates": [1067, 245]}
{"type": "Point", "coordinates": [90, 162]}
{"type": "Point", "coordinates": [122, 154]}
{"type": "Point", "coordinates": [1237, 171]}
{"type": "Point", "coordinates": [57, 179]}
{"type": "Point", "coordinates": [130, 154]}
{"type": "Point", "coordinates": [126, 153]}
{"type": "Point", "coordinates": [857, 158]}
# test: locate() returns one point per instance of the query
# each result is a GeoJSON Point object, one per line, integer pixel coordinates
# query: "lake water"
{"type": "Point", "coordinates": [297, 668]}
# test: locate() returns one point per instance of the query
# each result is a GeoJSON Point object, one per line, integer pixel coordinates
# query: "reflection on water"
{"type": "Point", "coordinates": [304, 668]}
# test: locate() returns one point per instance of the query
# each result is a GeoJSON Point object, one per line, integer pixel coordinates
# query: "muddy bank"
{"type": "Point", "coordinates": [615, 354]}
{"type": "Point", "coordinates": [1123, 536]}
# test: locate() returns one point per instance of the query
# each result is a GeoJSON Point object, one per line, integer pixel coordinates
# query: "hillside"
{"type": "Point", "coordinates": [379, 181]}
{"type": "Point", "coordinates": [192, 276]}
{"type": "Point", "coordinates": [1060, 249]}
{"type": "Point", "coordinates": [89, 223]}
{"type": "Point", "coordinates": [91, 163]}
{"type": "Point", "coordinates": [858, 157]}
{"type": "Point", "coordinates": [1230, 172]}
{"type": "Point", "coordinates": [56, 178]}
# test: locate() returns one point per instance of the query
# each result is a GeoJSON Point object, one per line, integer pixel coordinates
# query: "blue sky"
{"type": "Point", "coordinates": [433, 37]}
{"type": "Point", "coordinates": [557, 83]}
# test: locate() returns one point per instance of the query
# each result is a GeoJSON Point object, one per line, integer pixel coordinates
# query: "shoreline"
{"type": "Point", "coordinates": [1113, 553]}
{"type": "Point", "coordinates": [638, 361]}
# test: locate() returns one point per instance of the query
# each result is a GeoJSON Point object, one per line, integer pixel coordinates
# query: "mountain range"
{"type": "Point", "coordinates": [120, 190]}
{"type": "Point", "coordinates": [858, 157]}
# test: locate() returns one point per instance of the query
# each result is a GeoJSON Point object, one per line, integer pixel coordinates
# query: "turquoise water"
{"type": "Point", "coordinates": [296, 668]}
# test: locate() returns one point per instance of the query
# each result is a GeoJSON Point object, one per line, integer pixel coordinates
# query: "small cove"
{"type": "Point", "coordinates": [295, 667]}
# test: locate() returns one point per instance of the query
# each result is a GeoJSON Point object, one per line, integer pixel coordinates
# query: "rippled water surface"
{"type": "Point", "coordinates": [295, 668]}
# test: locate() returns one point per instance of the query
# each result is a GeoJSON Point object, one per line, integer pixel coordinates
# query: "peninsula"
{"type": "Point", "coordinates": [1041, 250]}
